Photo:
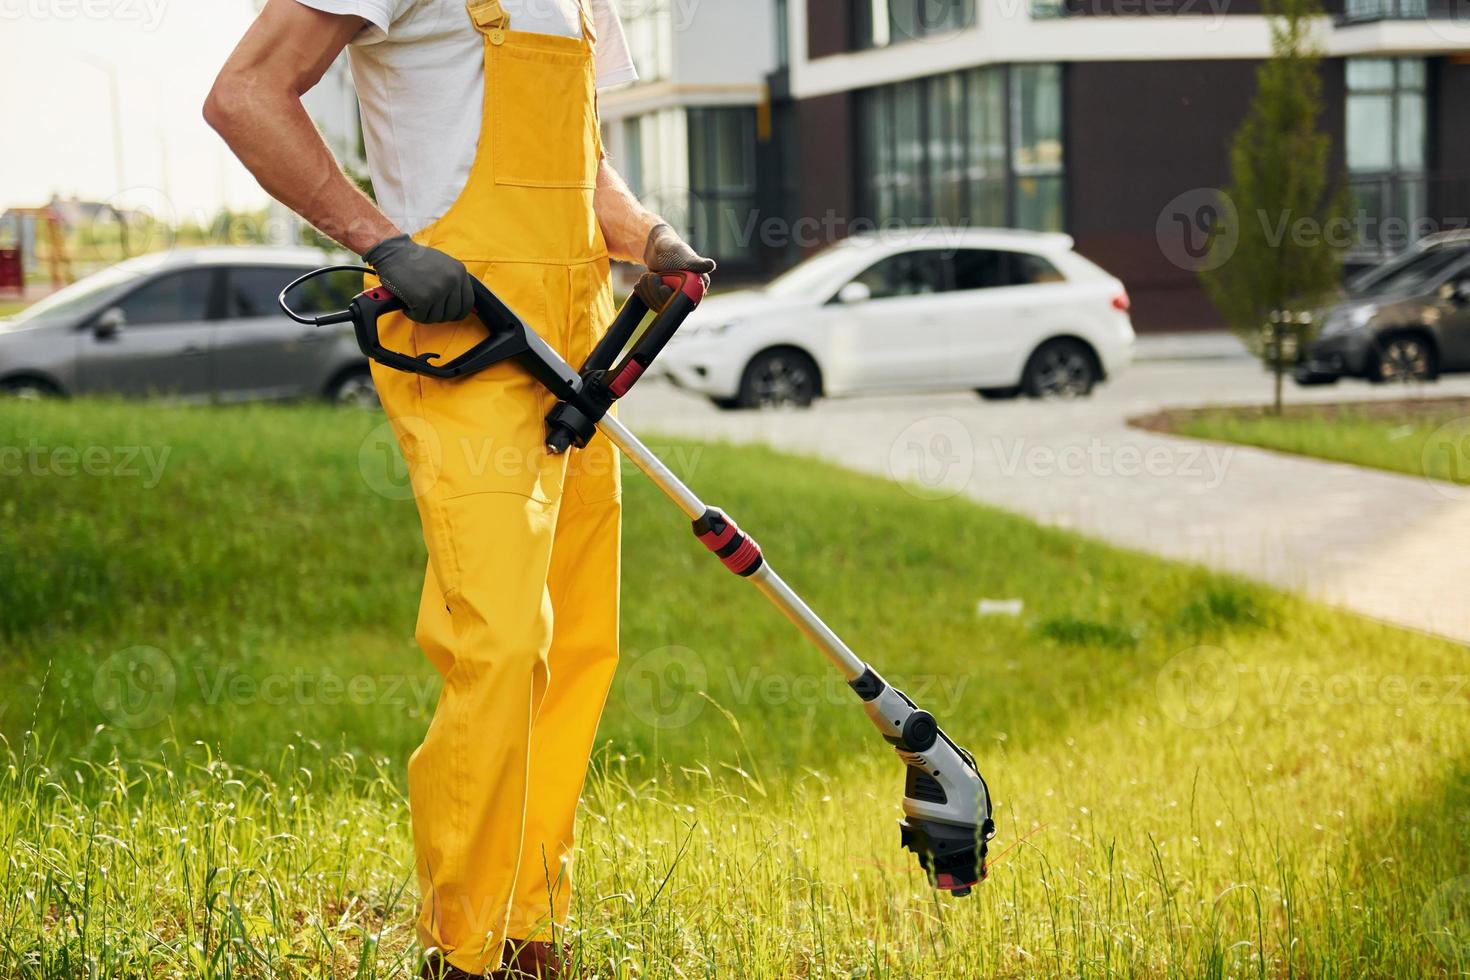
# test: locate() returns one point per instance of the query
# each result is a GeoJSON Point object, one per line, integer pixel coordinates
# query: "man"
{"type": "Point", "coordinates": [482, 136]}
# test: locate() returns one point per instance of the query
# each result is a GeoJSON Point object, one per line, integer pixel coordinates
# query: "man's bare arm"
{"type": "Point", "coordinates": [636, 234]}
{"type": "Point", "coordinates": [625, 221]}
{"type": "Point", "coordinates": [255, 106]}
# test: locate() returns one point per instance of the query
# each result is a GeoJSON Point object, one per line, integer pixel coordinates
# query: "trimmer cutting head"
{"type": "Point", "coordinates": [947, 821]}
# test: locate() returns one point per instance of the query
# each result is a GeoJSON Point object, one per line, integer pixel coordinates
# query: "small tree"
{"type": "Point", "coordinates": [1284, 259]}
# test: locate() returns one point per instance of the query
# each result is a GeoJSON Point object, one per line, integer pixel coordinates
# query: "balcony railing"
{"type": "Point", "coordinates": [1371, 11]}
{"type": "Point", "coordinates": [1392, 211]}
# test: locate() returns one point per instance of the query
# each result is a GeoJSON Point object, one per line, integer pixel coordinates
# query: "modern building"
{"type": "Point", "coordinates": [778, 126]}
{"type": "Point", "coordinates": [691, 137]}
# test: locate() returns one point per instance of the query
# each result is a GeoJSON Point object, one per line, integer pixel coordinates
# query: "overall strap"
{"type": "Point", "coordinates": [488, 15]}
{"type": "Point", "coordinates": [589, 23]}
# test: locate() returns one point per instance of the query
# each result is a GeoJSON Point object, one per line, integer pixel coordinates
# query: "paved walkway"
{"type": "Point", "coordinates": [1393, 547]}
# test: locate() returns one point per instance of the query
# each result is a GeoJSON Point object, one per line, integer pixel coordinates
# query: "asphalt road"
{"type": "Point", "coordinates": [1392, 547]}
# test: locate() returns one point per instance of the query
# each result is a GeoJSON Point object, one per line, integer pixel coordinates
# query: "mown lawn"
{"type": "Point", "coordinates": [1421, 437]}
{"type": "Point", "coordinates": [209, 690]}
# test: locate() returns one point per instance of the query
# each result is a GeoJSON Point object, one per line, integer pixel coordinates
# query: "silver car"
{"type": "Point", "coordinates": [191, 324]}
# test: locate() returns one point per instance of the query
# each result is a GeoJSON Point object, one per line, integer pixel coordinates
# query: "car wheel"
{"type": "Point", "coordinates": [28, 389]}
{"type": "Point", "coordinates": [1403, 358]}
{"type": "Point", "coordinates": [354, 390]}
{"type": "Point", "coordinates": [998, 394]}
{"type": "Point", "coordinates": [778, 379]}
{"type": "Point", "coordinates": [1060, 369]}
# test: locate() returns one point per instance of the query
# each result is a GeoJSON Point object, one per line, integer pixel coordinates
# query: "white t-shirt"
{"type": "Point", "coordinates": [419, 70]}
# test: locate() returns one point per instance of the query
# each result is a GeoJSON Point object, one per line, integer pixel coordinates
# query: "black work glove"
{"type": "Point", "coordinates": [435, 287]}
{"type": "Point", "coordinates": [667, 252]}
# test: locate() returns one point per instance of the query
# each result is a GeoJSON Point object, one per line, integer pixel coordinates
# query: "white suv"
{"type": "Point", "coordinates": [998, 311]}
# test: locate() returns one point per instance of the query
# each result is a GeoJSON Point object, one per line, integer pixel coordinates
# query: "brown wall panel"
{"type": "Point", "coordinates": [1140, 135]}
{"type": "Point", "coordinates": [828, 27]}
{"type": "Point", "coordinates": [828, 167]}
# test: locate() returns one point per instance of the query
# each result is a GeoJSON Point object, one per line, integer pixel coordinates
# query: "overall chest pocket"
{"type": "Point", "coordinates": [545, 115]}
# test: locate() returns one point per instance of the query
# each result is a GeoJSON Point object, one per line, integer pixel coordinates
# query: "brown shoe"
{"type": "Point", "coordinates": [436, 967]}
{"type": "Point", "coordinates": [536, 961]}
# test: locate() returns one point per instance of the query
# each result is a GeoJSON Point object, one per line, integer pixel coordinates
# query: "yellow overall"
{"type": "Point", "coordinates": [520, 601]}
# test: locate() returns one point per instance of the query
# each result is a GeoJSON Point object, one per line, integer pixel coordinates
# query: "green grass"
{"type": "Point", "coordinates": [1195, 776]}
{"type": "Point", "coordinates": [1422, 438]}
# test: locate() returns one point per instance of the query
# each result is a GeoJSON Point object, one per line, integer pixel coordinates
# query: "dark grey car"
{"type": "Point", "coordinates": [1406, 320]}
{"type": "Point", "coordinates": [192, 324]}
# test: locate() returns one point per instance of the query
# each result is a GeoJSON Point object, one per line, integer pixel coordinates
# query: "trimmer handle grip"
{"type": "Point", "coordinates": [571, 425]}
{"type": "Point", "coordinates": [504, 331]}
{"type": "Point", "coordinates": [685, 290]}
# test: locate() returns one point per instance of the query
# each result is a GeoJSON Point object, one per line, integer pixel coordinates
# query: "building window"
{"type": "Point", "coordinates": [649, 28]}
{"type": "Point", "coordinates": [1036, 145]}
{"type": "Point", "coordinates": [722, 182]}
{"type": "Point", "coordinates": [979, 147]}
{"type": "Point", "coordinates": [783, 34]}
{"type": "Point", "coordinates": [1387, 126]}
{"type": "Point", "coordinates": [879, 23]}
{"type": "Point", "coordinates": [631, 165]}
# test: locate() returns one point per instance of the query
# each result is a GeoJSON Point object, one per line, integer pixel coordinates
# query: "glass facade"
{"type": "Point", "coordinates": [879, 23]}
{"type": "Point", "coordinates": [722, 181]}
{"type": "Point", "coordinates": [978, 147]}
{"type": "Point", "coordinates": [1387, 146]}
{"type": "Point", "coordinates": [649, 27]}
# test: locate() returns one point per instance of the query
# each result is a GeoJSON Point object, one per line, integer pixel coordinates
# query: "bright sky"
{"type": "Point", "coordinates": [56, 121]}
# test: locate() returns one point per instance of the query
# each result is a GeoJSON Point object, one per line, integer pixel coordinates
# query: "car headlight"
{"type": "Point", "coordinates": [707, 329]}
{"type": "Point", "coordinates": [1345, 320]}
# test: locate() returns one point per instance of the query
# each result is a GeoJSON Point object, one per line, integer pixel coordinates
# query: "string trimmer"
{"type": "Point", "coordinates": [946, 804]}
